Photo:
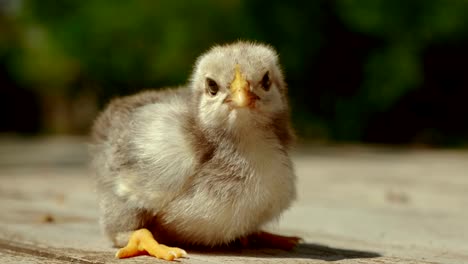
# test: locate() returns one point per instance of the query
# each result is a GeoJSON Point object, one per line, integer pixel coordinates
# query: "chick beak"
{"type": "Point", "coordinates": [241, 95]}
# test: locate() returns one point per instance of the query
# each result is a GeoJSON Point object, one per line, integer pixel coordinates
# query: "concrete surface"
{"type": "Point", "coordinates": [356, 205]}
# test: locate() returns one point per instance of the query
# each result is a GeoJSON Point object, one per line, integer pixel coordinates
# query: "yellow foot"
{"type": "Point", "coordinates": [265, 239]}
{"type": "Point", "coordinates": [142, 241]}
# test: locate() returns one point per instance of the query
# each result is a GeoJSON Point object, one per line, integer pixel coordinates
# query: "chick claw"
{"type": "Point", "coordinates": [142, 241]}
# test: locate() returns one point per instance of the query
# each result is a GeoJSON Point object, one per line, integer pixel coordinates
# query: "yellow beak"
{"type": "Point", "coordinates": [240, 92]}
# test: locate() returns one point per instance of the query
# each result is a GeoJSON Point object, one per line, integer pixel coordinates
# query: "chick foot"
{"type": "Point", "coordinates": [142, 241]}
{"type": "Point", "coordinates": [269, 240]}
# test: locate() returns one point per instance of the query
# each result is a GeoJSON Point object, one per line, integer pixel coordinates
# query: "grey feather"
{"type": "Point", "coordinates": [189, 167]}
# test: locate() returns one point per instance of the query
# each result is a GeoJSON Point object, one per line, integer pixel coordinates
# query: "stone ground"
{"type": "Point", "coordinates": [356, 205]}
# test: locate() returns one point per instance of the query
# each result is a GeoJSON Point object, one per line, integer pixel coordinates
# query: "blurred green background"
{"type": "Point", "coordinates": [372, 71]}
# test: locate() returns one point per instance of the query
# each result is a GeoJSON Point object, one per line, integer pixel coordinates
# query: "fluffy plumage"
{"type": "Point", "coordinates": [193, 167]}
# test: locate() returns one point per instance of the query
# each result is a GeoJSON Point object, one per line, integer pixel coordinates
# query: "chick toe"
{"type": "Point", "coordinates": [142, 241]}
{"type": "Point", "coordinates": [270, 240]}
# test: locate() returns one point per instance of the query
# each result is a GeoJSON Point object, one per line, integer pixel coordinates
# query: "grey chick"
{"type": "Point", "coordinates": [205, 164]}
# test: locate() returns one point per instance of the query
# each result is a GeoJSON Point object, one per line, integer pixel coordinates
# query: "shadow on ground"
{"type": "Point", "coordinates": [302, 251]}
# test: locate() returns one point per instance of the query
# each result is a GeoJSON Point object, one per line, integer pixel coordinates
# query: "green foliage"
{"type": "Point", "coordinates": [407, 27]}
{"type": "Point", "coordinates": [419, 19]}
{"type": "Point", "coordinates": [137, 43]}
{"type": "Point", "coordinates": [393, 70]}
{"type": "Point", "coordinates": [391, 73]}
{"type": "Point", "coordinates": [122, 46]}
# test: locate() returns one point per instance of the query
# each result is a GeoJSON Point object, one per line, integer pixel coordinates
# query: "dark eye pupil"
{"type": "Point", "coordinates": [266, 83]}
{"type": "Point", "coordinates": [212, 86]}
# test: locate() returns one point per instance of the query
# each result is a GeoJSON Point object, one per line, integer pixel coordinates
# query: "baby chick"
{"type": "Point", "coordinates": [205, 164]}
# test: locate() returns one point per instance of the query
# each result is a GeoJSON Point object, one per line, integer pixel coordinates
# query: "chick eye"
{"type": "Point", "coordinates": [266, 82]}
{"type": "Point", "coordinates": [212, 86]}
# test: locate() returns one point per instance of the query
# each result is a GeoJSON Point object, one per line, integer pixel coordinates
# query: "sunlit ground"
{"type": "Point", "coordinates": [356, 203]}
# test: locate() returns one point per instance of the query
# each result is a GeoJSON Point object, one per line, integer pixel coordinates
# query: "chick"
{"type": "Point", "coordinates": [205, 164]}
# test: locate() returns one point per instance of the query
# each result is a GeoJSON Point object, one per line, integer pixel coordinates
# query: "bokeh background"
{"type": "Point", "coordinates": [368, 71]}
